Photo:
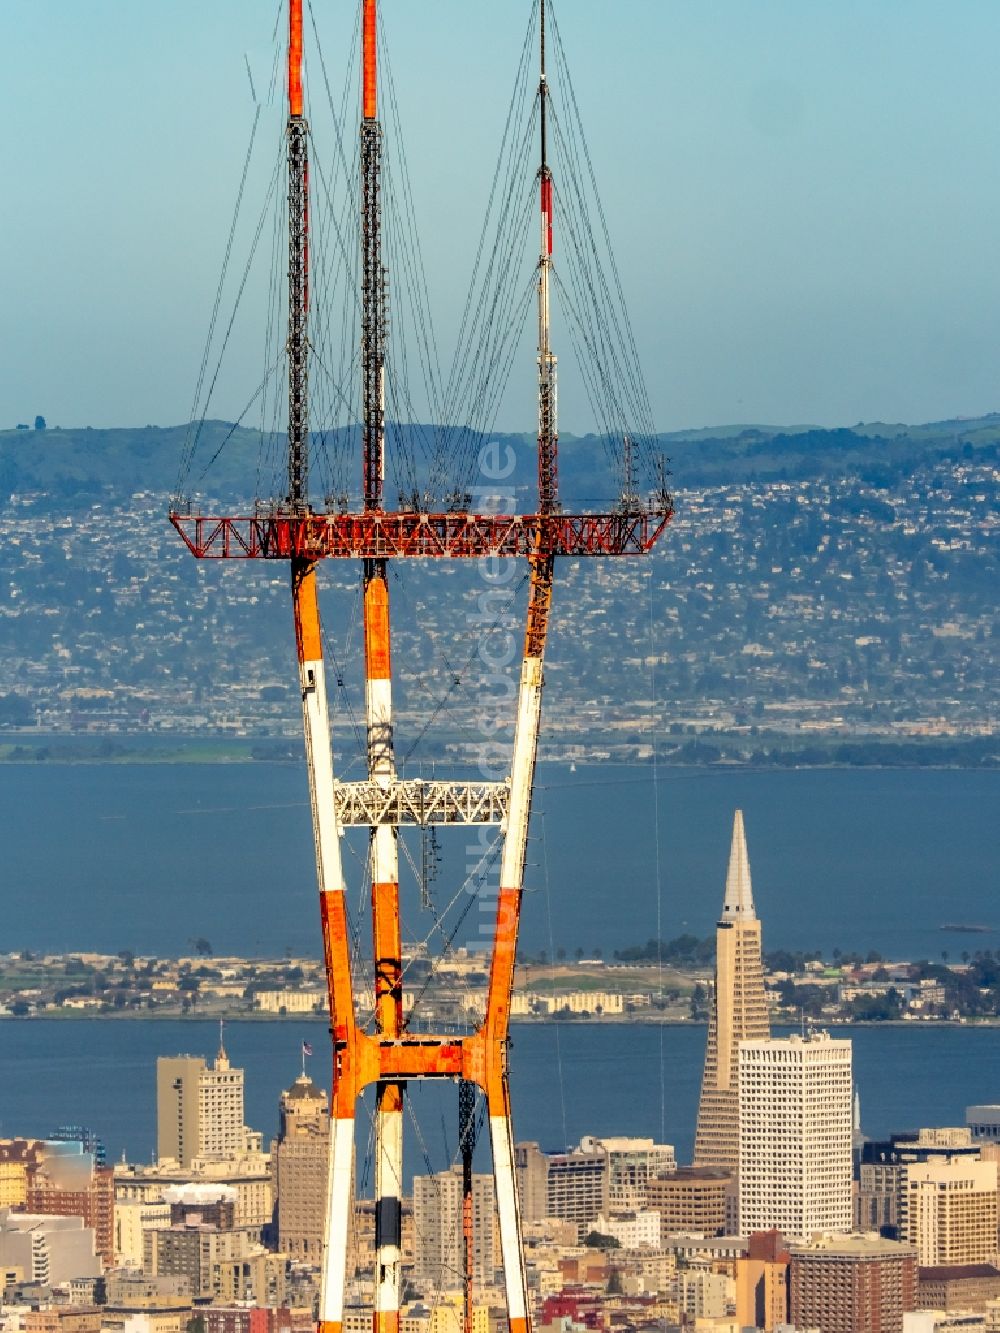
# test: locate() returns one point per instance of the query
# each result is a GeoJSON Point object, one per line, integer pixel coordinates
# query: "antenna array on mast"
{"type": "Point", "coordinates": [297, 133]}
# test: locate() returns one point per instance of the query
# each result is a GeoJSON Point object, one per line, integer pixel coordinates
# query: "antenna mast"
{"type": "Point", "coordinates": [373, 283]}
{"type": "Point", "coordinates": [548, 430]}
{"type": "Point", "coordinates": [384, 837]}
{"type": "Point", "coordinates": [297, 134]}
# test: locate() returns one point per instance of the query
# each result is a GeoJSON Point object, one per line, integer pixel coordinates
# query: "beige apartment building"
{"type": "Point", "coordinates": [133, 1218]}
{"type": "Point", "coordinates": [437, 1228]}
{"type": "Point", "coordinates": [692, 1199]}
{"type": "Point", "coordinates": [950, 1211]}
{"type": "Point", "coordinates": [199, 1109]}
{"type": "Point", "coordinates": [248, 1176]}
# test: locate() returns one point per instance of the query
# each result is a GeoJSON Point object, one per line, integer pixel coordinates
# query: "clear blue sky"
{"type": "Point", "coordinates": [807, 194]}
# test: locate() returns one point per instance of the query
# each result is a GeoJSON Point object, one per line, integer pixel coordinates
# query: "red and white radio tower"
{"type": "Point", "coordinates": [390, 1057]}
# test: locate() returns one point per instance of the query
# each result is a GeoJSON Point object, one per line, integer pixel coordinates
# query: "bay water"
{"type": "Point", "coordinates": [146, 857]}
{"type": "Point", "coordinates": [568, 1079]}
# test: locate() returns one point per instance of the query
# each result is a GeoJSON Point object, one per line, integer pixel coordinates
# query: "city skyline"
{"type": "Point", "coordinates": [200, 1232]}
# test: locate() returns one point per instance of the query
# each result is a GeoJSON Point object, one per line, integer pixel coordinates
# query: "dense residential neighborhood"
{"type": "Point", "coordinates": [795, 604]}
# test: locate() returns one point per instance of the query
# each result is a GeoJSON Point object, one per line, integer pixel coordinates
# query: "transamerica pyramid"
{"type": "Point", "coordinates": [739, 1012]}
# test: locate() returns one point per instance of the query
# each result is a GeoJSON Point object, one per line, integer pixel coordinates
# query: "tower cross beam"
{"type": "Point", "coordinates": [454, 536]}
{"type": "Point", "coordinates": [416, 802]}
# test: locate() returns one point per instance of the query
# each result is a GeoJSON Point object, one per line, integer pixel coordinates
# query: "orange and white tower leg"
{"type": "Point", "coordinates": [522, 778]}
{"type": "Point", "coordinates": [330, 878]}
{"type": "Point", "coordinates": [385, 1058]}
{"type": "Point", "coordinates": [378, 704]}
{"type": "Point", "coordinates": [496, 1026]}
{"type": "Point", "coordinates": [315, 711]}
{"type": "Point", "coordinates": [387, 945]}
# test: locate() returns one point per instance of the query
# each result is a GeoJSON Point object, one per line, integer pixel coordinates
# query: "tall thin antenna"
{"type": "Point", "coordinates": [548, 430]}
{"type": "Point", "coordinates": [373, 278]}
{"type": "Point", "coordinates": [297, 134]}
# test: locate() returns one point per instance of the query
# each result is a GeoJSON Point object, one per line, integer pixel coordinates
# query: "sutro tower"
{"type": "Point", "coordinates": [390, 1057]}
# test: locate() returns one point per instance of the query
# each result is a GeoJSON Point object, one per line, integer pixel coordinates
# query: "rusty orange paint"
{"type": "Point", "coordinates": [295, 57]}
{"type": "Point", "coordinates": [539, 605]}
{"type": "Point", "coordinates": [337, 956]}
{"type": "Point", "coordinates": [377, 655]}
{"type": "Point", "coordinates": [391, 1098]}
{"type": "Point", "coordinates": [386, 1321]}
{"type": "Point", "coordinates": [518, 1326]}
{"type": "Point", "coordinates": [502, 966]}
{"type": "Point", "coordinates": [370, 59]}
{"type": "Point", "coordinates": [329, 1326]}
{"type": "Point", "coordinates": [375, 1058]}
{"type": "Point", "coordinates": [388, 950]}
{"type": "Point", "coordinates": [305, 605]}
{"type": "Point", "coordinates": [496, 1025]}
{"type": "Point", "coordinates": [430, 1057]}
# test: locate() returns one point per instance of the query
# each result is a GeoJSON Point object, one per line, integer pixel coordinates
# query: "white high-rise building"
{"type": "Point", "coordinates": [795, 1135]}
{"type": "Point", "coordinates": [199, 1109]}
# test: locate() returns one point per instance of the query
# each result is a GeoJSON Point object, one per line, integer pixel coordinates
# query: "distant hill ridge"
{"type": "Point", "coordinates": [84, 461]}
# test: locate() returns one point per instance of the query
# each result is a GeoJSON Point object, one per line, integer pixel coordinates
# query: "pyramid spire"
{"type": "Point", "coordinates": [739, 1013]}
{"type": "Point", "coordinates": [738, 903]}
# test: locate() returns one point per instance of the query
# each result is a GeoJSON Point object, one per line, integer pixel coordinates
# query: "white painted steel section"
{"type": "Point", "coordinates": [319, 763]}
{"type": "Point", "coordinates": [378, 704]}
{"type": "Point", "coordinates": [529, 707]}
{"type": "Point", "coordinates": [414, 801]}
{"type": "Point", "coordinates": [385, 870]}
{"type": "Point", "coordinates": [340, 1179]}
{"type": "Point", "coordinates": [388, 1185]}
{"type": "Point", "coordinates": [501, 1137]}
{"type": "Point", "coordinates": [382, 773]}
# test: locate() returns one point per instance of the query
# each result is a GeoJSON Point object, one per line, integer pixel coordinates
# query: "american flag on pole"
{"type": "Point", "coordinates": [307, 1048]}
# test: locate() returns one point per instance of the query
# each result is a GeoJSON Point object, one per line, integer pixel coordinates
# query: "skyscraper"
{"type": "Point", "coordinates": [199, 1110]}
{"type": "Point", "coordinates": [437, 1225]}
{"type": "Point", "coordinates": [299, 1162]}
{"type": "Point", "coordinates": [795, 1135]}
{"type": "Point", "coordinates": [951, 1211]}
{"type": "Point", "coordinates": [739, 1012]}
